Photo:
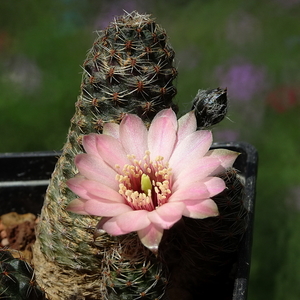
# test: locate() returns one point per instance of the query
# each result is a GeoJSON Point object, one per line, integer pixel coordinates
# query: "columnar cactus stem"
{"type": "Point", "coordinates": [128, 70]}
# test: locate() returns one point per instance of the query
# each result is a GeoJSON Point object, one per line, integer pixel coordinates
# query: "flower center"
{"type": "Point", "coordinates": [145, 184]}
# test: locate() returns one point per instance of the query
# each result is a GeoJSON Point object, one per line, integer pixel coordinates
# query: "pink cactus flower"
{"type": "Point", "coordinates": [145, 180]}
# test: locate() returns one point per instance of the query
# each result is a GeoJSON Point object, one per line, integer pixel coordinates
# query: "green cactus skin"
{"type": "Point", "coordinates": [128, 70]}
{"type": "Point", "coordinates": [17, 280]}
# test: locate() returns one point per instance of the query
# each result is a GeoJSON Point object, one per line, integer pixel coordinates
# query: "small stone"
{"type": "Point", "coordinates": [5, 242]}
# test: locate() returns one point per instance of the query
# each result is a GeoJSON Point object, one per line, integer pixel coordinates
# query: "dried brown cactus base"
{"type": "Point", "coordinates": [67, 285]}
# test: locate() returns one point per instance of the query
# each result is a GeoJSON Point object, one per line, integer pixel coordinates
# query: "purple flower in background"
{"type": "Point", "coordinates": [243, 80]}
{"type": "Point", "coordinates": [246, 85]}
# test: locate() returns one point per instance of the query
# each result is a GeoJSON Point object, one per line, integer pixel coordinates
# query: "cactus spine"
{"type": "Point", "coordinates": [128, 70]}
{"type": "Point", "coordinates": [200, 254]}
{"type": "Point", "coordinates": [17, 278]}
{"type": "Point", "coordinates": [210, 107]}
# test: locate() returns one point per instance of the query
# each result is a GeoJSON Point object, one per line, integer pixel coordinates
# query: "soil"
{"type": "Point", "coordinates": [18, 232]}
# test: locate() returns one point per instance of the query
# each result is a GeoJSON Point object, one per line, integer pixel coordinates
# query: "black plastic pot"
{"type": "Point", "coordinates": [24, 178]}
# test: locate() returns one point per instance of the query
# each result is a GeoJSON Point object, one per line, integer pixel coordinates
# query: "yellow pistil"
{"type": "Point", "coordinates": [146, 185]}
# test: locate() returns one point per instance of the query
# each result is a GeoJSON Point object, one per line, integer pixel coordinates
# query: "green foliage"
{"type": "Point", "coordinates": [276, 216]}
{"type": "Point", "coordinates": [39, 68]}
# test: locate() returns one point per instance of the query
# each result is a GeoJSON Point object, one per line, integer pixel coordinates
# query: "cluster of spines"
{"type": "Point", "coordinates": [129, 69]}
{"type": "Point", "coordinates": [17, 279]}
{"type": "Point", "coordinates": [199, 254]}
{"type": "Point", "coordinates": [123, 283]}
{"type": "Point", "coordinates": [130, 271]}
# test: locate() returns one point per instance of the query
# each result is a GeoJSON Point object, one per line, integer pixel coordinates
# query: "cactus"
{"type": "Point", "coordinates": [128, 70]}
{"type": "Point", "coordinates": [17, 280]}
{"type": "Point", "coordinates": [210, 107]}
{"type": "Point", "coordinates": [200, 254]}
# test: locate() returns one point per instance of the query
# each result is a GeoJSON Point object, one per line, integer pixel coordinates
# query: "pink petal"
{"type": "Point", "coordinates": [196, 172]}
{"type": "Point", "coordinates": [167, 215]}
{"type": "Point", "coordinates": [169, 113]}
{"type": "Point", "coordinates": [191, 149]}
{"type": "Point", "coordinates": [111, 129]}
{"type": "Point", "coordinates": [77, 206]}
{"type": "Point", "coordinates": [89, 144]}
{"type": "Point", "coordinates": [198, 190]}
{"type": "Point", "coordinates": [186, 125]}
{"type": "Point", "coordinates": [133, 136]}
{"type": "Point", "coordinates": [151, 237]}
{"type": "Point", "coordinates": [105, 208]}
{"type": "Point", "coordinates": [201, 209]}
{"type": "Point", "coordinates": [94, 190]}
{"type": "Point", "coordinates": [95, 168]}
{"type": "Point", "coordinates": [162, 134]}
{"type": "Point", "coordinates": [126, 222]}
{"type": "Point", "coordinates": [215, 185]}
{"type": "Point", "coordinates": [226, 158]}
{"type": "Point", "coordinates": [111, 151]}
{"type": "Point", "coordinates": [74, 185]}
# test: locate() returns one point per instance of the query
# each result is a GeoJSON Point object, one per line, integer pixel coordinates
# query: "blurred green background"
{"type": "Point", "coordinates": [250, 47]}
